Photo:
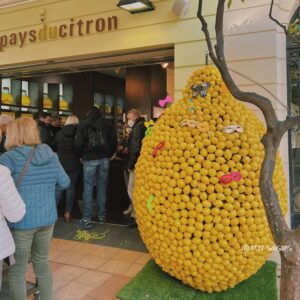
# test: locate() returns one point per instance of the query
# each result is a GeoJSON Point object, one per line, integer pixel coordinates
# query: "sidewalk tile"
{"type": "Point", "coordinates": [73, 291]}
{"type": "Point", "coordinates": [115, 267]}
{"type": "Point", "coordinates": [70, 257]}
{"type": "Point", "coordinates": [133, 270]}
{"type": "Point", "coordinates": [91, 262]}
{"type": "Point", "coordinates": [105, 252]}
{"type": "Point", "coordinates": [143, 259]}
{"type": "Point", "coordinates": [56, 266]}
{"type": "Point", "coordinates": [127, 256]}
{"type": "Point", "coordinates": [62, 244]}
{"type": "Point", "coordinates": [55, 253]}
{"type": "Point", "coordinates": [65, 275]}
{"type": "Point", "coordinates": [93, 278]}
{"type": "Point", "coordinates": [85, 248]}
{"type": "Point", "coordinates": [109, 289]}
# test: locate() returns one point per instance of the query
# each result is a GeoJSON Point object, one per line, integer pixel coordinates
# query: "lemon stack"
{"type": "Point", "coordinates": [25, 100]}
{"type": "Point", "coordinates": [7, 98]}
{"type": "Point", "coordinates": [197, 228]}
{"type": "Point", "coordinates": [63, 104]}
{"type": "Point", "coordinates": [47, 103]}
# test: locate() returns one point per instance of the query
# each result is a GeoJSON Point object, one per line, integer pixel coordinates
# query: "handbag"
{"type": "Point", "coordinates": [10, 260]}
{"type": "Point", "coordinates": [25, 168]}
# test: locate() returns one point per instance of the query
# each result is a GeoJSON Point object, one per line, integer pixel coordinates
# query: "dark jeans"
{"type": "Point", "coordinates": [95, 170]}
{"type": "Point", "coordinates": [70, 191]}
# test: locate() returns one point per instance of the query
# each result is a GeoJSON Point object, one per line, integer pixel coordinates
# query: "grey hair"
{"type": "Point", "coordinates": [4, 120]}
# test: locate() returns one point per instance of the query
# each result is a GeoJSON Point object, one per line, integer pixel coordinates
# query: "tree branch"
{"type": "Point", "coordinates": [219, 33]}
{"type": "Point", "coordinates": [284, 126]}
{"type": "Point", "coordinates": [288, 35]}
{"type": "Point", "coordinates": [289, 123]}
{"type": "Point", "coordinates": [206, 32]}
{"type": "Point", "coordinates": [275, 20]}
{"type": "Point", "coordinates": [269, 196]}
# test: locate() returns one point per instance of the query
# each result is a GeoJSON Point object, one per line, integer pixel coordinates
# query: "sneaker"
{"type": "Point", "coordinates": [131, 223]}
{"type": "Point", "coordinates": [85, 224]}
{"type": "Point", "coordinates": [128, 210]}
{"type": "Point", "coordinates": [67, 216]}
{"type": "Point", "coordinates": [102, 220]}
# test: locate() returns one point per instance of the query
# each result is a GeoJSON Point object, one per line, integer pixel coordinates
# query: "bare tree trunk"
{"type": "Point", "coordinates": [290, 269]}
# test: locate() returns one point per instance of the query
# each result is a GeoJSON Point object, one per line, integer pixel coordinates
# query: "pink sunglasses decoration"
{"type": "Point", "coordinates": [227, 178]}
{"type": "Point", "coordinates": [160, 146]}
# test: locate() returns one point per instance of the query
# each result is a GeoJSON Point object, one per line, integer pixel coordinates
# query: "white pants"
{"type": "Point", "coordinates": [130, 189]}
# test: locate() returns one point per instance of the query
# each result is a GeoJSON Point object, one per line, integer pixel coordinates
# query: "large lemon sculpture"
{"type": "Point", "coordinates": [197, 197]}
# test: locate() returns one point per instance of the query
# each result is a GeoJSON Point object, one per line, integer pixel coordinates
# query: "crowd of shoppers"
{"type": "Point", "coordinates": [39, 159]}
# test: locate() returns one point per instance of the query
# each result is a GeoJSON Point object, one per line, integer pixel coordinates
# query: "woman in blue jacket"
{"type": "Point", "coordinates": [37, 173]}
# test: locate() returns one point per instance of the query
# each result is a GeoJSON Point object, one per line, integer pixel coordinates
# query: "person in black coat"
{"type": "Point", "coordinates": [136, 122]}
{"type": "Point", "coordinates": [69, 159]}
{"type": "Point", "coordinates": [46, 135]}
{"type": "Point", "coordinates": [96, 139]}
{"type": "Point", "coordinates": [55, 124]}
{"type": "Point", "coordinates": [122, 154]}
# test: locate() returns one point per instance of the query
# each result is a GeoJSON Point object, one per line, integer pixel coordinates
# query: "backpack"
{"type": "Point", "coordinates": [96, 139]}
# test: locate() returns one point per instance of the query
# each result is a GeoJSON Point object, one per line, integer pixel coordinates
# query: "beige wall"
{"type": "Point", "coordinates": [151, 29]}
{"type": "Point", "coordinates": [256, 47]}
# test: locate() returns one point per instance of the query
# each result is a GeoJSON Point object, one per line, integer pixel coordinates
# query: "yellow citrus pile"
{"type": "Point", "coordinates": [197, 228]}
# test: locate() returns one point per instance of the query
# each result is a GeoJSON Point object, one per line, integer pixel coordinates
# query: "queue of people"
{"type": "Point", "coordinates": [35, 177]}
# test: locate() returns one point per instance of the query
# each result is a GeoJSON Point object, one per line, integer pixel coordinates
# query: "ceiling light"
{"type": "Point", "coordinates": [136, 6]}
{"type": "Point", "coordinates": [165, 65]}
{"type": "Point", "coordinates": [118, 70]}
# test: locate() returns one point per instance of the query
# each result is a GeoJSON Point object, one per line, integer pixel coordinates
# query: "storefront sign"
{"type": "Point", "coordinates": [74, 28]}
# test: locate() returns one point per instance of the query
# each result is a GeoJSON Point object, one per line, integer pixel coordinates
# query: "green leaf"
{"type": "Point", "coordinates": [230, 2]}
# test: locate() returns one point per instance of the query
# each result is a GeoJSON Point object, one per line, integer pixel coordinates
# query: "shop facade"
{"type": "Point", "coordinates": [43, 34]}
